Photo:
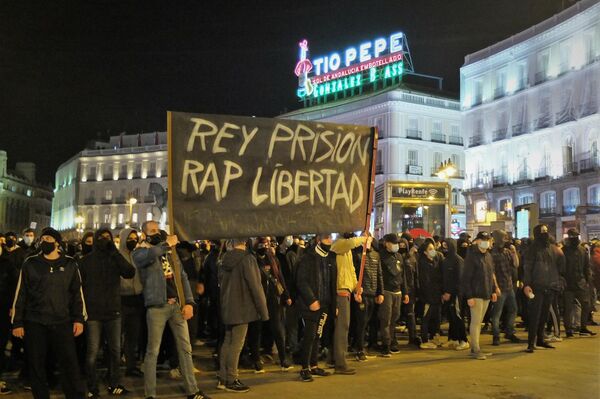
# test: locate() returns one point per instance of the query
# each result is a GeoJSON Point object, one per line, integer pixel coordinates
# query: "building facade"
{"type": "Point", "coordinates": [418, 130]}
{"type": "Point", "coordinates": [24, 203]}
{"type": "Point", "coordinates": [530, 114]}
{"type": "Point", "coordinates": [113, 185]}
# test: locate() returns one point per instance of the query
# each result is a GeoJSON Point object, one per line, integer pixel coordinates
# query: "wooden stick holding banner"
{"type": "Point", "coordinates": [369, 208]}
{"type": "Point", "coordinates": [170, 172]}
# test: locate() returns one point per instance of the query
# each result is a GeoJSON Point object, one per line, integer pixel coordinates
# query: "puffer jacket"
{"type": "Point", "coordinates": [577, 268]}
{"type": "Point", "coordinates": [478, 275]}
{"type": "Point", "coordinates": [129, 286]}
{"type": "Point", "coordinates": [372, 283]}
{"type": "Point", "coordinates": [452, 268]}
{"type": "Point", "coordinates": [392, 266]}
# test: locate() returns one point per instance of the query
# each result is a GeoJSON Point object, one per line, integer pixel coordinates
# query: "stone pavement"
{"type": "Point", "coordinates": [572, 370]}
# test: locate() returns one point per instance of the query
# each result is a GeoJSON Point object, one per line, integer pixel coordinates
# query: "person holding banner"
{"type": "Point", "coordinates": [316, 284]}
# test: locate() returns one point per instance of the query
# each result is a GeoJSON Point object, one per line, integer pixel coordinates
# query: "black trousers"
{"type": "Point", "coordinates": [539, 308]}
{"type": "Point", "coordinates": [364, 312]}
{"type": "Point", "coordinates": [133, 317]}
{"type": "Point", "coordinates": [38, 340]}
{"type": "Point", "coordinates": [583, 298]}
{"type": "Point", "coordinates": [408, 312]}
{"type": "Point", "coordinates": [430, 324]}
{"type": "Point", "coordinates": [310, 340]}
{"type": "Point", "coordinates": [456, 330]}
{"type": "Point", "coordinates": [4, 334]}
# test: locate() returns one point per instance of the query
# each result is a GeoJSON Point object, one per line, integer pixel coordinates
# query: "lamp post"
{"type": "Point", "coordinates": [132, 201]}
{"type": "Point", "coordinates": [79, 225]}
{"type": "Point", "coordinates": [446, 171]}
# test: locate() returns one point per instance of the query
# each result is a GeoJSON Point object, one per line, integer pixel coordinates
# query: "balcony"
{"type": "Point", "coordinates": [542, 123]}
{"type": "Point", "coordinates": [499, 134]}
{"type": "Point", "coordinates": [438, 138]}
{"type": "Point", "coordinates": [120, 200]}
{"type": "Point", "coordinates": [589, 164]}
{"type": "Point", "coordinates": [540, 77]}
{"type": "Point", "coordinates": [106, 201]}
{"type": "Point", "coordinates": [89, 201]}
{"type": "Point", "coordinates": [378, 169]}
{"type": "Point", "coordinates": [414, 170]}
{"type": "Point", "coordinates": [548, 212]}
{"type": "Point", "coordinates": [570, 168]}
{"type": "Point", "coordinates": [589, 108]}
{"type": "Point", "coordinates": [542, 173]}
{"type": "Point", "coordinates": [149, 199]}
{"type": "Point", "coordinates": [456, 140]}
{"type": "Point", "coordinates": [460, 174]}
{"type": "Point", "coordinates": [562, 117]}
{"type": "Point", "coordinates": [475, 141]}
{"type": "Point", "coordinates": [569, 210]}
{"type": "Point", "coordinates": [499, 180]}
{"type": "Point", "coordinates": [499, 92]}
{"type": "Point", "coordinates": [414, 134]}
{"type": "Point", "coordinates": [519, 129]}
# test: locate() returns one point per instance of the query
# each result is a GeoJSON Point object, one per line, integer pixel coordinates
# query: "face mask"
{"type": "Point", "coordinates": [325, 247]}
{"type": "Point", "coordinates": [402, 250]}
{"type": "Point", "coordinates": [484, 244]}
{"type": "Point", "coordinates": [289, 241]}
{"type": "Point", "coordinates": [10, 242]}
{"type": "Point", "coordinates": [131, 244]}
{"type": "Point", "coordinates": [545, 237]}
{"type": "Point", "coordinates": [261, 251]}
{"type": "Point", "coordinates": [574, 241]}
{"type": "Point", "coordinates": [394, 248]}
{"type": "Point", "coordinates": [103, 243]}
{"type": "Point", "coordinates": [47, 247]}
{"type": "Point", "coordinates": [86, 248]}
{"type": "Point", "coordinates": [154, 239]}
{"type": "Point", "coordinates": [432, 253]}
{"type": "Point", "coordinates": [28, 240]}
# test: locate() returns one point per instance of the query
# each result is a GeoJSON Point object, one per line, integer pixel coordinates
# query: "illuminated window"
{"type": "Point", "coordinates": [413, 157]}
{"type": "Point", "coordinates": [525, 199]}
{"type": "Point", "coordinates": [108, 195]}
{"type": "Point", "coordinates": [121, 218]}
{"type": "Point", "coordinates": [148, 216]}
{"type": "Point", "coordinates": [107, 217]}
{"type": "Point", "coordinates": [481, 208]}
{"type": "Point", "coordinates": [134, 218]}
{"type": "Point", "coordinates": [594, 195]}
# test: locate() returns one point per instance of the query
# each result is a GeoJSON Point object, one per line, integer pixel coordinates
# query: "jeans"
{"type": "Point", "coordinates": [157, 317]}
{"type": "Point", "coordinates": [584, 300]}
{"type": "Point", "coordinates": [477, 314]}
{"type": "Point", "coordinates": [430, 324]}
{"type": "Point", "coordinates": [506, 304]}
{"type": "Point", "coordinates": [133, 319]}
{"type": "Point", "coordinates": [539, 308]}
{"type": "Point", "coordinates": [112, 332]}
{"type": "Point", "coordinates": [342, 325]}
{"type": "Point", "coordinates": [364, 312]}
{"type": "Point", "coordinates": [39, 338]}
{"type": "Point", "coordinates": [456, 329]}
{"type": "Point", "coordinates": [230, 352]}
{"type": "Point", "coordinates": [389, 311]}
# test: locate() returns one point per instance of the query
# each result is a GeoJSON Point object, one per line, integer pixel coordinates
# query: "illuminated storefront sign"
{"type": "Point", "coordinates": [356, 66]}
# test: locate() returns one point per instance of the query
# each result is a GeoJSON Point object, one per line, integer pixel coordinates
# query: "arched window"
{"type": "Point", "coordinates": [570, 200]}
{"type": "Point", "coordinates": [594, 195]}
{"type": "Point", "coordinates": [548, 202]}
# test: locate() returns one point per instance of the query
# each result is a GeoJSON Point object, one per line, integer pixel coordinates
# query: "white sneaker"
{"type": "Point", "coordinates": [428, 345]}
{"type": "Point", "coordinates": [463, 345]}
{"type": "Point", "coordinates": [452, 344]}
{"type": "Point", "coordinates": [554, 338]}
{"type": "Point", "coordinates": [175, 374]}
{"type": "Point", "coordinates": [437, 340]}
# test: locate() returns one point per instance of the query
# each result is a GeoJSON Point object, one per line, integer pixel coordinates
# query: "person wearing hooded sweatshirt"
{"type": "Point", "coordinates": [544, 265]}
{"type": "Point", "coordinates": [408, 251]}
{"type": "Point", "coordinates": [242, 301]}
{"type": "Point", "coordinates": [7, 290]}
{"type": "Point", "coordinates": [101, 273]}
{"type": "Point", "coordinates": [452, 267]}
{"type": "Point", "coordinates": [49, 311]}
{"type": "Point", "coordinates": [430, 291]}
{"type": "Point", "coordinates": [132, 305]}
{"type": "Point", "coordinates": [479, 287]}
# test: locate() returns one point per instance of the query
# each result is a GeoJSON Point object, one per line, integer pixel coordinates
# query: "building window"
{"type": "Point", "coordinates": [594, 195]}
{"type": "Point", "coordinates": [481, 208]}
{"type": "Point", "coordinates": [107, 217]}
{"type": "Point", "coordinates": [379, 163]}
{"type": "Point", "coordinates": [455, 130]}
{"type": "Point", "coordinates": [152, 169]}
{"type": "Point", "coordinates": [123, 174]}
{"type": "Point", "coordinates": [121, 218]}
{"type": "Point", "coordinates": [413, 157]}
{"type": "Point", "coordinates": [148, 216]}
{"type": "Point", "coordinates": [570, 201]}
{"type": "Point", "coordinates": [134, 218]}
{"type": "Point", "coordinates": [93, 172]}
{"type": "Point", "coordinates": [548, 202]}
{"type": "Point", "coordinates": [108, 195]}
{"type": "Point", "coordinates": [505, 207]}
{"type": "Point", "coordinates": [29, 193]}
{"type": "Point", "coordinates": [437, 160]}
{"type": "Point", "coordinates": [525, 199]}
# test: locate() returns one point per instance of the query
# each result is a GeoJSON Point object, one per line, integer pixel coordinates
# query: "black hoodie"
{"type": "Point", "coordinates": [101, 272]}
{"type": "Point", "coordinates": [452, 267]}
{"type": "Point", "coordinates": [544, 264]}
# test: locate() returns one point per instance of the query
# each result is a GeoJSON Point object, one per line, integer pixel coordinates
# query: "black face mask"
{"type": "Point", "coordinates": [103, 244]}
{"type": "Point", "coordinates": [47, 247]}
{"type": "Point", "coordinates": [10, 242]}
{"type": "Point", "coordinates": [261, 251]}
{"type": "Point", "coordinates": [154, 239]}
{"type": "Point", "coordinates": [402, 250]}
{"type": "Point", "coordinates": [86, 248]}
{"type": "Point", "coordinates": [574, 241]}
{"type": "Point", "coordinates": [325, 247]}
{"type": "Point", "coordinates": [544, 238]}
{"type": "Point", "coordinates": [131, 244]}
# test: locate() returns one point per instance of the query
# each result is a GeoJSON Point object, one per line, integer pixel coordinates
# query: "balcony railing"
{"type": "Point", "coordinates": [456, 140]}
{"type": "Point", "coordinates": [589, 108]}
{"type": "Point", "coordinates": [414, 170]}
{"type": "Point", "coordinates": [499, 180]}
{"type": "Point", "coordinates": [499, 134]}
{"type": "Point", "coordinates": [477, 101]}
{"type": "Point", "coordinates": [378, 169]}
{"type": "Point", "coordinates": [547, 212]}
{"type": "Point", "coordinates": [414, 134]}
{"type": "Point", "coordinates": [542, 173]}
{"type": "Point", "coordinates": [475, 141]}
{"type": "Point", "coordinates": [564, 118]}
{"type": "Point", "coordinates": [523, 176]}
{"type": "Point", "coordinates": [569, 210]}
{"type": "Point", "coordinates": [519, 129]}
{"type": "Point", "coordinates": [89, 201]}
{"type": "Point", "coordinates": [540, 77]}
{"type": "Point", "coordinates": [438, 137]}
{"type": "Point", "coordinates": [499, 92]}
{"type": "Point", "coordinates": [460, 174]}
{"type": "Point", "coordinates": [120, 200]}
{"type": "Point", "coordinates": [106, 201]}
{"type": "Point", "coordinates": [542, 123]}
{"type": "Point", "coordinates": [589, 164]}
{"type": "Point", "coordinates": [570, 168]}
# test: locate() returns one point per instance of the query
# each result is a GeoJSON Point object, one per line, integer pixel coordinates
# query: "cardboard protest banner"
{"type": "Point", "coordinates": [232, 176]}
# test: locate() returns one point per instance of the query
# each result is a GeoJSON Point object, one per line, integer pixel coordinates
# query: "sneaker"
{"type": "Point", "coordinates": [175, 374]}
{"type": "Point", "coordinates": [135, 372]}
{"type": "Point", "coordinates": [478, 356]}
{"type": "Point", "coordinates": [306, 375]}
{"type": "Point", "coordinates": [569, 334]}
{"type": "Point", "coordinates": [118, 390]}
{"type": "Point", "coordinates": [496, 341]}
{"type": "Point", "coordinates": [514, 339]}
{"type": "Point", "coordinates": [587, 332]}
{"type": "Point", "coordinates": [361, 357]}
{"type": "Point", "coordinates": [220, 384]}
{"type": "Point", "coordinates": [436, 340]}
{"type": "Point", "coordinates": [452, 344]}
{"type": "Point", "coordinates": [196, 371]}
{"type": "Point", "coordinates": [394, 348]}
{"type": "Point", "coordinates": [330, 365]}
{"type": "Point", "coordinates": [428, 345]}
{"type": "Point", "coordinates": [258, 368]}
{"type": "Point", "coordinates": [4, 389]}
{"type": "Point", "coordinates": [285, 366]}
{"type": "Point", "coordinates": [319, 372]}
{"type": "Point", "coordinates": [544, 345]}
{"type": "Point", "coordinates": [237, 386]}
{"type": "Point", "coordinates": [93, 395]}
{"type": "Point", "coordinates": [462, 345]}
{"type": "Point", "coordinates": [345, 371]}
{"type": "Point", "coordinates": [554, 338]}
{"type": "Point", "coordinates": [198, 395]}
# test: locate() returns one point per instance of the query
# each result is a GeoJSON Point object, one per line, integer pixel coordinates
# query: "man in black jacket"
{"type": "Point", "coordinates": [316, 283]}
{"type": "Point", "coordinates": [408, 251]}
{"type": "Point", "coordinates": [48, 311]}
{"type": "Point", "coordinates": [7, 290]}
{"type": "Point", "coordinates": [394, 292]}
{"type": "Point", "coordinates": [372, 294]}
{"type": "Point", "coordinates": [101, 273]}
{"type": "Point", "coordinates": [544, 265]}
{"type": "Point", "coordinates": [578, 275]}
{"type": "Point", "coordinates": [478, 287]}
{"type": "Point", "coordinates": [452, 267]}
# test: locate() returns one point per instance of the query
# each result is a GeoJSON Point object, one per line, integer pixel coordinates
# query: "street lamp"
{"type": "Point", "coordinates": [445, 171]}
{"type": "Point", "coordinates": [132, 201]}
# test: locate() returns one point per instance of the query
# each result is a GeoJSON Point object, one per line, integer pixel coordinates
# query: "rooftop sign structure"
{"type": "Point", "coordinates": [371, 65]}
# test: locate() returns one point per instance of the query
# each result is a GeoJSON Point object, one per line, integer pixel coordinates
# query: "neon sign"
{"type": "Point", "coordinates": [368, 62]}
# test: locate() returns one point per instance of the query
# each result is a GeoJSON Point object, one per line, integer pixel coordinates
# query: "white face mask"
{"type": "Point", "coordinates": [484, 244]}
{"type": "Point", "coordinates": [28, 240]}
{"type": "Point", "coordinates": [395, 248]}
{"type": "Point", "coordinates": [432, 253]}
{"type": "Point", "coordinates": [289, 241]}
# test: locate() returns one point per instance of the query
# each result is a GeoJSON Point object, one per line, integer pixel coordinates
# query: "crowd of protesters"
{"type": "Point", "coordinates": [145, 297]}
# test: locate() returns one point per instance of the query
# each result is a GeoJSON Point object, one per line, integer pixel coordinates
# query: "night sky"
{"type": "Point", "coordinates": [80, 70]}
